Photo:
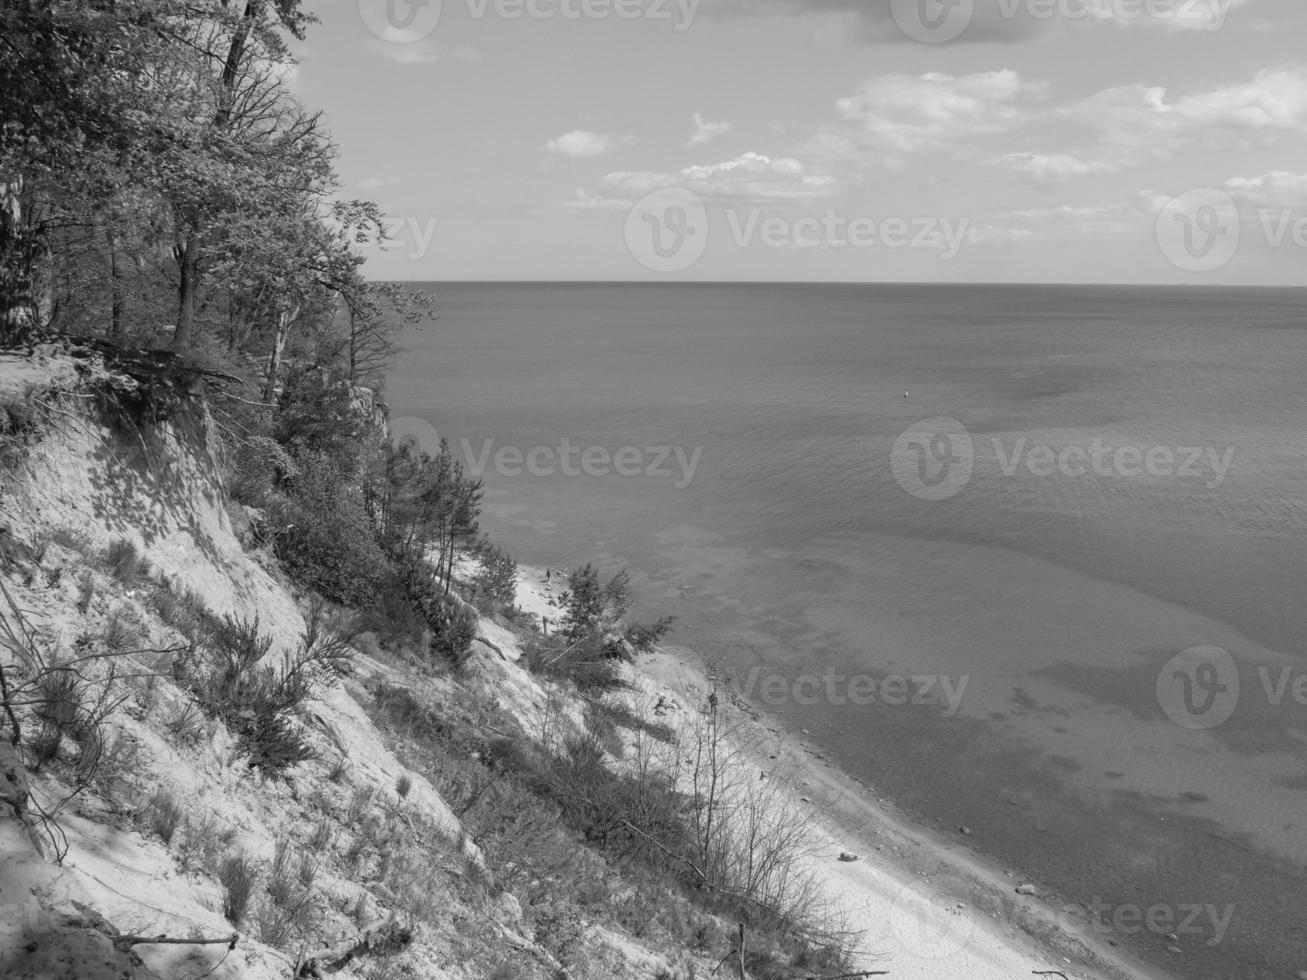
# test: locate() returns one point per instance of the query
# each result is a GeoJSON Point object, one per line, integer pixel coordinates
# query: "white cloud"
{"type": "Point", "coordinates": [588, 201]}
{"type": "Point", "coordinates": [376, 183]}
{"type": "Point", "coordinates": [913, 113]}
{"type": "Point", "coordinates": [750, 176]}
{"type": "Point", "coordinates": [1108, 220]}
{"type": "Point", "coordinates": [1145, 117]}
{"type": "Point", "coordinates": [705, 132]}
{"type": "Point", "coordinates": [1052, 166]}
{"type": "Point", "coordinates": [581, 143]}
{"type": "Point", "coordinates": [1276, 189]}
{"type": "Point", "coordinates": [468, 52]}
{"type": "Point", "coordinates": [1137, 123]}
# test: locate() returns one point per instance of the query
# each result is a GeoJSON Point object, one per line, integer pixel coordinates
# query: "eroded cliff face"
{"type": "Point", "coordinates": [86, 482]}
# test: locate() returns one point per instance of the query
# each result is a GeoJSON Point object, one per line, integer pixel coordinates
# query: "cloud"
{"type": "Point", "coordinates": [1132, 124]}
{"type": "Point", "coordinates": [750, 176]}
{"type": "Point", "coordinates": [376, 183]}
{"type": "Point", "coordinates": [992, 21]}
{"type": "Point", "coordinates": [468, 52]}
{"type": "Point", "coordinates": [588, 201]}
{"type": "Point", "coordinates": [912, 113]}
{"type": "Point", "coordinates": [1276, 189]}
{"type": "Point", "coordinates": [582, 143]}
{"type": "Point", "coordinates": [705, 132]}
{"type": "Point", "coordinates": [1053, 166]}
{"type": "Point", "coordinates": [1108, 220]}
{"type": "Point", "coordinates": [1147, 122]}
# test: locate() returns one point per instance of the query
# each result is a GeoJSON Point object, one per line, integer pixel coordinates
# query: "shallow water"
{"type": "Point", "coordinates": [1048, 593]}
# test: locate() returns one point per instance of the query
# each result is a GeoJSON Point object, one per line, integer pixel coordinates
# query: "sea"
{"type": "Point", "coordinates": [1028, 560]}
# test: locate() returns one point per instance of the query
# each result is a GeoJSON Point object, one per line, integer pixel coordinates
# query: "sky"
{"type": "Point", "coordinates": [1118, 141]}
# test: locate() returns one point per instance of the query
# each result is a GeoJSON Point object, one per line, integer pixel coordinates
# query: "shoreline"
{"type": "Point", "coordinates": [929, 908]}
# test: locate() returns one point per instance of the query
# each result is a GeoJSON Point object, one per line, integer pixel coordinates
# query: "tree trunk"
{"type": "Point", "coordinates": [188, 263]}
{"type": "Point", "coordinates": [115, 283]}
{"type": "Point", "coordinates": [18, 312]}
{"type": "Point", "coordinates": [284, 319]}
{"type": "Point", "coordinates": [235, 53]}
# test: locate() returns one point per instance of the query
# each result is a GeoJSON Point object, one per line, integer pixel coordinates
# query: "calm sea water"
{"type": "Point", "coordinates": [780, 534]}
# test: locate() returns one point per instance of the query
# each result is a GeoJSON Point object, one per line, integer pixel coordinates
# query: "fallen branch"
{"type": "Point", "coordinates": [124, 943]}
{"type": "Point", "coordinates": [386, 931]}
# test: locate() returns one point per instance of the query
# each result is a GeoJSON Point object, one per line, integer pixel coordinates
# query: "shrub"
{"type": "Point", "coordinates": [257, 701]}
{"type": "Point", "coordinates": [394, 617]}
{"type": "Point", "coordinates": [186, 726]}
{"type": "Point", "coordinates": [181, 609]}
{"type": "Point", "coordinates": [163, 814]}
{"type": "Point", "coordinates": [238, 877]}
{"type": "Point", "coordinates": [120, 636]}
{"type": "Point", "coordinates": [19, 426]}
{"type": "Point", "coordinates": [64, 709]}
{"type": "Point", "coordinates": [324, 835]}
{"type": "Point", "coordinates": [326, 539]}
{"type": "Point", "coordinates": [561, 930]}
{"type": "Point", "coordinates": [585, 662]}
{"type": "Point", "coordinates": [125, 563]}
{"type": "Point", "coordinates": [85, 592]}
{"type": "Point", "coordinates": [202, 842]}
{"type": "Point", "coordinates": [261, 464]}
{"type": "Point", "coordinates": [497, 577]}
{"type": "Point", "coordinates": [338, 769]}
{"type": "Point", "coordinates": [453, 623]}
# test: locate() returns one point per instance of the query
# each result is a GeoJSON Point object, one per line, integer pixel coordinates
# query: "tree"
{"type": "Point", "coordinates": [430, 503]}
{"type": "Point", "coordinates": [595, 611]}
{"type": "Point", "coordinates": [374, 316]}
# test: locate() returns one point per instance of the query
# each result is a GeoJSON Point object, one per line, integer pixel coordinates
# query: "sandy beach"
{"type": "Point", "coordinates": [929, 908]}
